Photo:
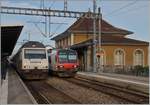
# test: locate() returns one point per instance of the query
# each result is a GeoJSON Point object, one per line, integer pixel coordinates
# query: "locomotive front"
{"type": "Point", "coordinates": [66, 63]}
{"type": "Point", "coordinates": [32, 61]}
{"type": "Point", "coordinates": [35, 63]}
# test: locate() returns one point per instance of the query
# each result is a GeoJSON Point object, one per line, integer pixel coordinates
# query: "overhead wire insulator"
{"type": "Point", "coordinates": [65, 6]}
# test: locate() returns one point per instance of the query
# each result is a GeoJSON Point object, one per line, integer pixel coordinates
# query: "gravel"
{"type": "Point", "coordinates": [82, 94]}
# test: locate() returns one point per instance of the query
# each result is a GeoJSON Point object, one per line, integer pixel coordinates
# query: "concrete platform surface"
{"type": "Point", "coordinates": [4, 91]}
{"type": "Point", "coordinates": [17, 92]}
{"type": "Point", "coordinates": [140, 84]}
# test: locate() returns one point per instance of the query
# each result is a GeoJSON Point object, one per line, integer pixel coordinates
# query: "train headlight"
{"type": "Point", "coordinates": [75, 66]}
{"type": "Point", "coordinates": [61, 66]}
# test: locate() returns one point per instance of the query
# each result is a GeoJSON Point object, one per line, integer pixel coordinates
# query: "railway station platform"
{"type": "Point", "coordinates": [14, 91]}
{"type": "Point", "coordinates": [140, 84]}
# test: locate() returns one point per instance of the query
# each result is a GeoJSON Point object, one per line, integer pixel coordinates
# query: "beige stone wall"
{"type": "Point", "coordinates": [69, 40]}
{"type": "Point", "coordinates": [78, 38]}
{"type": "Point", "coordinates": [129, 50]}
{"type": "Point", "coordinates": [109, 51]}
{"type": "Point", "coordinates": [73, 39]}
{"type": "Point", "coordinates": [64, 42]}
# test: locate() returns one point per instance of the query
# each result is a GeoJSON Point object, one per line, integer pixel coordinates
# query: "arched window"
{"type": "Point", "coordinates": [119, 57]}
{"type": "Point", "coordinates": [101, 58]}
{"type": "Point", "coordinates": [138, 57]}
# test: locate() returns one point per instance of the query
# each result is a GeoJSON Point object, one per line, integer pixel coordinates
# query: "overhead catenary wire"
{"type": "Point", "coordinates": [39, 29]}
{"type": "Point", "coordinates": [131, 10]}
{"type": "Point", "coordinates": [121, 8]}
{"type": "Point", "coordinates": [58, 27]}
{"type": "Point", "coordinates": [42, 5]}
{"type": "Point", "coordinates": [52, 4]}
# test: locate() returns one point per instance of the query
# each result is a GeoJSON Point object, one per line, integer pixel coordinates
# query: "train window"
{"type": "Point", "coordinates": [35, 54]}
{"type": "Point", "coordinates": [63, 57]}
{"type": "Point", "coordinates": [67, 56]}
{"type": "Point", "coordinates": [72, 57]}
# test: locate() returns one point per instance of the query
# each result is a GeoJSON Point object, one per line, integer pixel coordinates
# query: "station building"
{"type": "Point", "coordinates": [117, 50]}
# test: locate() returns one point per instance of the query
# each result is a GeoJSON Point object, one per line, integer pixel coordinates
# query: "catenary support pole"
{"type": "Point", "coordinates": [99, 39]}
{"type": "Point", "coordinates": [94, 36]}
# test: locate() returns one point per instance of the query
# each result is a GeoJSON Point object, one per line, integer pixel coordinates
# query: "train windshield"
{"type": "Point", "coordinates": [63, 57]}
{"type": "Point", "coordinates": [35, 54]}
{"type": "Point", "coordinates": [72, 56]}
{"type": "Point", "coordinates": [67, 57]}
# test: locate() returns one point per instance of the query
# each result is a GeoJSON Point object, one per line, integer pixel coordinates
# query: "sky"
{"type": "Point", "coordinates": [132, 15]}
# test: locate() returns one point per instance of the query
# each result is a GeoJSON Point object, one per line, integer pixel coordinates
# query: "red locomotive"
{"type": "Point", "coordinates": [63, 62]}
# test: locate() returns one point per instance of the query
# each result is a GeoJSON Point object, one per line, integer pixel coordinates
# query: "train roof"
{"type": "Point", "coordinates": [33, 44]}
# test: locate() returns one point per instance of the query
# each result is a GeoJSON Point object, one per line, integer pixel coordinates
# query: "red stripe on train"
{"type": "Point", "coordinates": [68, 65]}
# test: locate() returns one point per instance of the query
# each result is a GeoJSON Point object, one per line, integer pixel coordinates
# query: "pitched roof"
{"type": "Point", "coordinates": [85, 25]}
{"type": "Point", "coordinates": [111, 41]}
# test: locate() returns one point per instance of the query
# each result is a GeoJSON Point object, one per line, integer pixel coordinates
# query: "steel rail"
{"type": "Point", "coordinates": [122, 93]}
{"type": "Point", "coordinates": [48, 94]}
{"type": "Point", "coordinates": [40, 98]}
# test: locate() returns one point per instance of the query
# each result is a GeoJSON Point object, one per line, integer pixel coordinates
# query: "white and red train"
{"type": "Point", "coordinates": [63, 62]}
{"type": "Point", "coordinates": [33, 60]}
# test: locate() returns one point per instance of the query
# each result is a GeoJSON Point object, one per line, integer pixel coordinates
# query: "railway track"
{"type": "Point", "coordinates": [47, 94]}
{"type": "Point", "coordinates": [119, 92]}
